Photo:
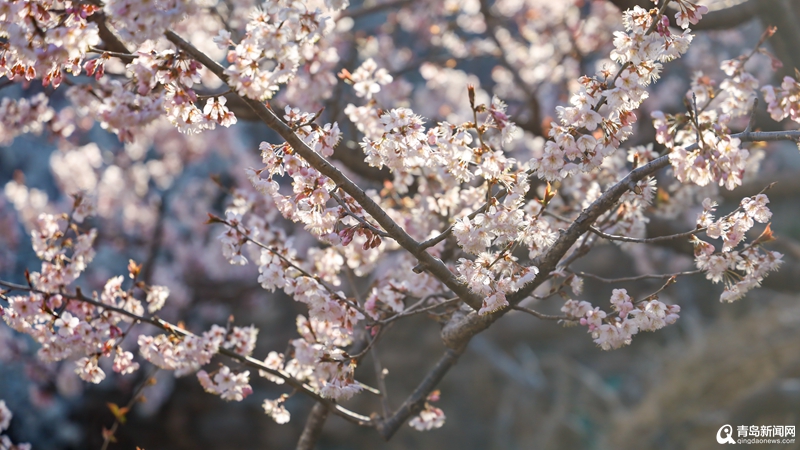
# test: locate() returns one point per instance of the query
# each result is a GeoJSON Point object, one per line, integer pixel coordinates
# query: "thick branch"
{"type": "Point", "coordinates": [111, 41]}
{"type": "Point", "coordinates": [313, 429]}
{"type": "Point", "coordinates": [416, 401]}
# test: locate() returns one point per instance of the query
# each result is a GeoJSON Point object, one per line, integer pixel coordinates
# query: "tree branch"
{"type": "Point", "coordinates": [416, 401]}
{"type": "Point", "coordinates": [313, 429]}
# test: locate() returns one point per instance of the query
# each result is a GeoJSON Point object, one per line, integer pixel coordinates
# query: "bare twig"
{"type": "Point", "coordinates": [637, 278]}
{"type": "Point", "coordinates": [108, 436]}
{"type": "Point", "coordinates": [379, 7]}
{"type": "Point", "coordinates": [654, 295]}
{"type": "Point", "coordinates": [411, 312]}
{"type": "Point", "coordinates": [651, 240]}
{"type": "Point", "coordinates": [540, 315]}
{"type": "Point", "coordinates": [752, 122]}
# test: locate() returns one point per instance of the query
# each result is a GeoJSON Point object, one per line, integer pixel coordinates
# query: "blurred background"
{"type": "Point", "coordinates": [524, 383]}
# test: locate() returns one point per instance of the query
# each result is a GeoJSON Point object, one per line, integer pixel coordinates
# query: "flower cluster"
{"type": "Point", "coordinates": [277, 410]}
{"type": "Point", "coordinates": [308, 204]}
{"type": "Point", "coordinates": [142, 21]}
{"type": "Point", "coordinates": [783, 101]}
{"type": "Point", "coordinates": [226, 384]}
{"type": "Point", "coordinates": [688, 13]}
{"type": "Point", "coordinates": [25, 115]}
{"type": "Point", "coordinates": [702, 152]}
{"type": "Point", "coordinates": [271, 51]}
{"type": "Point", "coordinates": [368, 79]}
{"type": "Point", "coordinates": [738, 89]}
{"type": "Point", "coordinates": [44, 40]}
{"type": "Point", "coordinates": [318, 359]}
{"type": "Point", "coordinates": [602, 111]}
{"type": "Point", "coordinates": [403, 144]}
{"type": "Point", "coordinates": [430, 417]}
{"type": "Point", "coordinates": [718, 159]}
{"type": "Point", "coordinates": [184, 355]}
{"type": "Point", "coordinates": [118, 110]}
{"type": "Point", "coordinates": [399, 141]}
{"type": "Point", "coordinates": [494, 276]}
{"type": "Point", "coordinates": [753, 261]}
{"type": "Point", "coordinates": [612, 331]}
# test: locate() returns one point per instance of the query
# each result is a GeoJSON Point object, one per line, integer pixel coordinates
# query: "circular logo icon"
{"type": "Point", "coordinates": [728, 431]}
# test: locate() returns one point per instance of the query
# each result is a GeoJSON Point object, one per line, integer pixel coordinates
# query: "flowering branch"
{"type": "Point", "coordinates": [346, 414]}
{"type": "Point", "coordinates": [431, 263]}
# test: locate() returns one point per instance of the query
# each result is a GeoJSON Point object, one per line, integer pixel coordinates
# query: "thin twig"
{"type": "Point", "coordinates": [381, 380]}
{"type": "Point", "coordinates": [125, 56]}
{"type": "Point", "coordinates": [752, 122]}
{"type": "Point", "coordinates": [410, 312]}
{"type": "Point", "coordinates": [540, 315]}
{"type": "Point", "coordinates": [380, 7]}
{"type": "Point", "coordinates": [109, 435]}
{"type": "Point", "coordinates": [637, 278]}
{"type": "Point", "coordinates": [651, 240]}
{"type": "Point", "coordinates": [654, 295]}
